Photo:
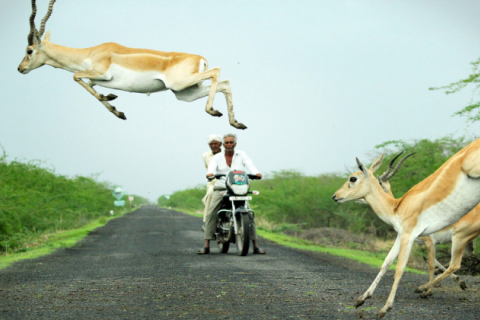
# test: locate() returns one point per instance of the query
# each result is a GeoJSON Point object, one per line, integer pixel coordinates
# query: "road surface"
{"type": "Point", "coordinates": [144, 266]}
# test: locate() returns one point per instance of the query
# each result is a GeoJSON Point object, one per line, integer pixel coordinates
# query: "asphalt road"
{"type": "Point", "coordinates": [144, 266]}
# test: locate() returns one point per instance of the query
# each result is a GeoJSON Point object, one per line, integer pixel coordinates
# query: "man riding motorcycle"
{"type": "Point", "coordinates": [223, 162]}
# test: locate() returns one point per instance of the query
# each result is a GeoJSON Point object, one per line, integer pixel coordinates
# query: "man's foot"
{"type": "Point", "coordinates": [258, 250]}
{"type": "Point", "coordinates": [204, 251]}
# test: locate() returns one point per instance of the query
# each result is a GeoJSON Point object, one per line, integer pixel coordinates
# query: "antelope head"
{"type": "Point", "coordinates": [35, 57]}
{"type": "Point", "coordinates": [389, 173]}
{"type": "Point", "coordinates": [359, 183]}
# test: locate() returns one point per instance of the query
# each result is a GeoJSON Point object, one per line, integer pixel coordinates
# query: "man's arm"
{"type": "Point", "coordinates": [205, 160]}
{"type": "Point", "coordinates": [212, 167]}
{"type": "Point", "coordinates": [247, 162]}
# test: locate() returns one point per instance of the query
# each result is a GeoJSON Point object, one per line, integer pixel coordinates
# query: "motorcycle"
{"type": "Point", "coordinates": [235, 217]}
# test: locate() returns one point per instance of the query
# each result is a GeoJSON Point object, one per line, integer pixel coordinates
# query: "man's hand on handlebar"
{"type": "Point", "coordinates": [257, 176]}
{"type": "Point", "coordinates": [211, 176]}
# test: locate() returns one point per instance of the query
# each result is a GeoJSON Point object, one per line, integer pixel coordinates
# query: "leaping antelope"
{"type": "Point", "coordinates": [433, 204]}
{"type": "Point", "coordinates": [135, 70]}
{"type": "Point", "coordinates": [459, 234]}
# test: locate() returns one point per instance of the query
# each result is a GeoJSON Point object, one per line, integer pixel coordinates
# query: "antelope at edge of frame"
{"type": "Point", "coordinates": [114, 66]}
{"type": "Point", "coordinates": [460, 234]}
{"type": "Point", "coordinates": [439, 201]}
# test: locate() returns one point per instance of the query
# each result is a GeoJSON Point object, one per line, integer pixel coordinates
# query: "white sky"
{"type": "Point", "coordinates": [318, 83]}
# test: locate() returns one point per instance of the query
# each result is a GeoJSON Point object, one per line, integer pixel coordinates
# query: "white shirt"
{"type": "Point", "coordinates": [240, 160]}
{"type": "Point", "coordinates": [207, 157]}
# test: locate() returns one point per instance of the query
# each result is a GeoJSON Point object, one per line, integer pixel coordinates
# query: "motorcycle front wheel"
{"type": "Point", "coordinates": [243, 234]}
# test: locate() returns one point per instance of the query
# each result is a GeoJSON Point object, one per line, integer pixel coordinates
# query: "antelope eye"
{"type": "Point", "coordinates": [30, 51]}
{"type": "Point", "coordinates": [353, 179]}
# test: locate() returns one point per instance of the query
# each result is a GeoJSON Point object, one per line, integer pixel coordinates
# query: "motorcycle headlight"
{"type": "Point", "coordinates": [240, 189]}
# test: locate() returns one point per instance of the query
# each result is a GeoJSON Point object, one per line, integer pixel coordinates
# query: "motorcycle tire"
{"type": "Point", "coordinates": [243, 234]}
{"type": "Point", "coordinates": [222, 243]}
{"type": "Point", "coordinates": [223, 247]}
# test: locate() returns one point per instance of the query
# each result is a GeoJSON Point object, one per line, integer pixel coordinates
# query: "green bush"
{"type": "Point", "coordinates": [290, 198]}
{"type": "Point", "coordinates": [189, 199]}
{"type": "Point", "coordinates": [35, 200]}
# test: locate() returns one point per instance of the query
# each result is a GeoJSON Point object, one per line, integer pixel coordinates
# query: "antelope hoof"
{"type": "Point", "coordinates": [420, 289]}
{"type": "Point", "coordinates": [381, 314]}
{"type": "Point", "coordinates": [110, 97]}
{"type": "Point", "coordinates": [359, 302]}
{"type": "Point", "coordinates": [426, 294]}
{"type": "Point", "coordinates": [239, 125]}
{"type": "Point", "coordinates": [121, 115]}
{"type": "Point", "coordinates": [463, 285]}
{"type": "Point", "coordinates": [215, 113]}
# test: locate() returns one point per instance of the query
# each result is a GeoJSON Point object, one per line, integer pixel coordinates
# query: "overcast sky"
{"type": "Point", "coordinates": [318, 83]}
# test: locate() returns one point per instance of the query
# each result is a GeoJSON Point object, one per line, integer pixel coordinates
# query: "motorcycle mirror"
{"type": "Point", "coordinates": [255, 192]}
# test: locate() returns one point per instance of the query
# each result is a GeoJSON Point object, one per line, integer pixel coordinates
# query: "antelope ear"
{"type": "Point", "coordinates": [376, 164]}
{"type": "Point", "coordinates": [362, 168]}
{"type": "Point", "coordinates": [47, 36]}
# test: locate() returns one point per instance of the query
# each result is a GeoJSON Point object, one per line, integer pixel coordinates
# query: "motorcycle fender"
{"type": "Point", "coordinates": [241, 210]}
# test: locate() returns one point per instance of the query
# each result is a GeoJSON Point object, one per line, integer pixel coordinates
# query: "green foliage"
{"type": "Point", "coordinates": [290, 200]}
{"type": "Point", "coordinates": [137, 200]}
{"type": "Point", "coordinates": [472, 111]}
{"type": "Point", "coordinates": [429, 156]}
{"type": "Point", "coordinates": [190, 199]}
{"type": "Point", "coordinates": [35, 200]}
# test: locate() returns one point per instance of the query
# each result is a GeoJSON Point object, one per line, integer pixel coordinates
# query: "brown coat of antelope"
{"type": "Point", "coordinates": [459, 234]}
{"type": "Point", "coordinates": [135, 70]}
{"type": "Point", "coordinates": [437, 202]}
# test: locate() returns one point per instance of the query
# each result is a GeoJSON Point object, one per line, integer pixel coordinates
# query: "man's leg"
{"type": "Point", "coordinates": [206, 201]}
{"type": "Point", "coordinates": [211, 220]}
{"type": "Point", "coordinates": [253, 236]}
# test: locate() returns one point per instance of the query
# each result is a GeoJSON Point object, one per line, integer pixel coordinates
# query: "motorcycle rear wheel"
{"type": "Point", "coordinates": [222, 243]}
{"type": "Point", "coordinates": [243, 234]}
{"type": "Point", "coordinates": [223, 247]}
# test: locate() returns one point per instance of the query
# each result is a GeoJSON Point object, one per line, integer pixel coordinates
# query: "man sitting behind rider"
{"type": "Point", "coordinates": [223, 162]}
{"type": "Point", "coordinates": [215, 144]}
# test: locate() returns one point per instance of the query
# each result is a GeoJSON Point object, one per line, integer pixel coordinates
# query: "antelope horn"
{"type": "Point", "coordinates": [32, 23]}
{"type": "Point", "coordinates": [390, 166]}
{"type": "Point", "coordinates": [397, 167]}
{"type": "Point", "coordinates": [44, 20]}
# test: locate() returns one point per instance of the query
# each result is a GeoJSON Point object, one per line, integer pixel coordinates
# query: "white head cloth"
{"type": "Point", "coordinates": [215, 137]}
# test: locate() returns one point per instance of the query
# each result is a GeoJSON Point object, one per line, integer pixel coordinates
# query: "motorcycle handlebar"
{"type": "Point", "coordinates": [219, 175]}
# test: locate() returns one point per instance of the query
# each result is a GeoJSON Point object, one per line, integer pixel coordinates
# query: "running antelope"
{"type": "Point", "coordinates": [459, 234]}
{"type": "Point", "coordinates": [433, 204]}
{"type": "Point", "coordinates": [135, 70]}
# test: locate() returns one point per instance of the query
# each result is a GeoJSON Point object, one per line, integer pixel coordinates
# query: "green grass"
{"type": "Point", "coordinates": [374, 259]}
{"type": "Point", "coordinates": [62, 239]}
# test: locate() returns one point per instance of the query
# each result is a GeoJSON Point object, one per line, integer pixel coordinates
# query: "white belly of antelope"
{"type": "Point", "coordinates": [441, 237]}
{"type": "Point", "coordinates": [463, 198]}
{"type": "Point", "coordinates": [132, 81]}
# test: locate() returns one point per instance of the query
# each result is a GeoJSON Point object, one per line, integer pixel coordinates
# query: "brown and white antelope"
{"type": "Point", "coordinates": [440, 200]}
{"type": "Point", "coordinates": [459, 234]}
{"type": "Point", "coordinates": [135, 70]}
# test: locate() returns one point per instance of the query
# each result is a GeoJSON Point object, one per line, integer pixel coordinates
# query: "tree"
{"type": "Point", "coordinates": [472, 111]}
